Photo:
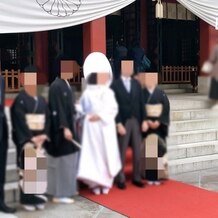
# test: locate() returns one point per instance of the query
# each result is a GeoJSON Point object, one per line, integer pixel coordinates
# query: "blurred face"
{"type": "Point", "coordinates": [149, 80]}
{"type": "Point", "coordinates": [66, 76]}
{"type": "Point", "coordinates": [102, 78]}
{"type": "Point", "coordinates": [29, 82]}
{"type": "Point", "coordinates": [127, 68]}
{"type": "Point", "coordinates": [28, 79]}
{"type": "Point", "coordinates": [67, 69]}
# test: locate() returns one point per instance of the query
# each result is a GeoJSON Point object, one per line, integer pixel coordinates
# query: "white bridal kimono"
{"type": "Point", "coordinates": [100, 159]}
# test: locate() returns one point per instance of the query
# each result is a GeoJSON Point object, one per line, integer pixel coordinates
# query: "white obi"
{"type": "Point", "coordinates": [153, 110]}
{"type": "Point", "coordinates": [35, 122]}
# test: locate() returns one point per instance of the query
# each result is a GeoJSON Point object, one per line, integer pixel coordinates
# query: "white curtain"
{"type": "Point", "coordinates": [38, 15]}
{"type": "Point", "coordinates": [207, 10]}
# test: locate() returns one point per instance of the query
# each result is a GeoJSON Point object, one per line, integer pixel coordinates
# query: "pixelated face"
{"type": "Point", "coordinates": [127, 68]}
{"type": "Point", "coordinates": [150, 80]}
{"type": "Point", "coordinates": [98, 78]}
{"type": "Point", "coordinates": [102, 78]}
{"type": "Point", "coordinates": [67, 69]}
{"type": "Point", "coordinates": [28, 79]}
{"type": "Point", "coordinates": [152, 161]}
{"type": "Point", "coordinates": [35, 171]}
{"type": "Point", "coordinates": [66, 76]}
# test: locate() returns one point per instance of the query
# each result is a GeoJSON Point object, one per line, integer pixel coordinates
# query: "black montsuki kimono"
{"type": "Point", "coordinates": [25, 104]}
{"type": "Point", "coordinates": [62, 158]}
{"type": "Point", "coordinates": [61, 105]}
{"type": "Point", "coordinates": [158, 97]}
{"type": "Point", "coordinates": [23, 111]}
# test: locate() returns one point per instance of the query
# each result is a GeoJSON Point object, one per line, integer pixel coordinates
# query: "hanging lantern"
{"type": "Point", "coordinates": [159, 10]}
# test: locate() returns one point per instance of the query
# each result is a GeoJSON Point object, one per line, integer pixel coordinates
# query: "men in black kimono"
{"type": "Point", "coordinates": [3, 149]}
{"type": "Point", "coordinates": [28, 104]}
{"type": "Point", "coordinates": [157, 115]}
{"type": "Point", "coordinates": [63, 155]}
{"type": "Point", "coordinates": [130, 120]}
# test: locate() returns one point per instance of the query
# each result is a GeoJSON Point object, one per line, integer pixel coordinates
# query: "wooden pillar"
{"type": "Point", "coordinates": [94, 37]}
{"type": "Point", "coordinates": [143, 24]}
{"type": "Point", "coordinates": [41, 56]}
{"type": "Point", "coordinates": [208, 39]}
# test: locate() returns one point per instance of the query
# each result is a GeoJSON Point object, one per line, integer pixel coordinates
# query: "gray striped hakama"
{"type": "Point", "coordinates": [62, 173]}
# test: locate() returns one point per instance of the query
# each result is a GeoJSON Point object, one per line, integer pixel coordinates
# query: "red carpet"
{"type": "Point", "coordinates": [169, 200]}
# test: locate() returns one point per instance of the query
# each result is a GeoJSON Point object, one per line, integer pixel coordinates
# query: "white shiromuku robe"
{"type": "Point", "coordinates": [100, 158]}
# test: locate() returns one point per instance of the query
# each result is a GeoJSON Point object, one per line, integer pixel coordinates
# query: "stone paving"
{"type": "Point", "coordinates": [206, 179]}
{"type": "Point", "coordinates": [83, 208]}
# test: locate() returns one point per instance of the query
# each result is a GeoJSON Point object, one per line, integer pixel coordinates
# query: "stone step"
{"type": "Point", "coordinates": [188, 125]}
{"type": "Point", "coordinates": [11, 192]}
{"type": "Point", "coordinates": [11, 157]}
{"type": "Point", "coordinates": [193, 164]}
{"type": "Point", "coordinates": [11, 143]}
{"type": "Point", "coordinates": [188, 104]}
{"type": "Point", "coordinates": [195, 114]}
{"type": "Point", "coordinates": [192, 150]}
{"type": "Point", "coordinates": [11, 173]}
{"type": "Point", "coordinates": [176, 91]}
{"type": "Point", "coordinates": [189, 137]}
{"type": "Point", "coordinates": [174, 86]}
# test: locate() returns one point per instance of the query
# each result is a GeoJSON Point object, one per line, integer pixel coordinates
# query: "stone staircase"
{"type": "Point", "coordinates": [193, 139]}
{"type": "Point", "coordinates": [11, 185]}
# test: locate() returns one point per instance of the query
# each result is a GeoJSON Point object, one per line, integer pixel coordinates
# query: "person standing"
{"type": "Point", "coordinates": [157, 110]}
{"type": "Point", "coordinates": [3, 148]}
{"type": "Point", "coordinates": [30, 127]}
{"type": "Point", "coordinates": [99, 141]}
{"type": "Point", "coordinates": [213, 93]}
{"type": "Point", "coordinates": [63, 155]}
{"type": "Point", "coordinates": [130, 120]}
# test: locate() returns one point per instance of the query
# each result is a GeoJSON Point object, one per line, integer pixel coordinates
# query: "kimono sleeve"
{"type": "Point", "coordinates": [165, 117]}
{"type": "Point", "coordinates": [56, 105]}
{"type": "Point", "coordinates": [109, 108]}
{"type": "Point", "coordinates": [47, 119]}
{"type": "Point", "coordinates": [20, 131]}
{"type": "Point", "coordinates": [118, 117]}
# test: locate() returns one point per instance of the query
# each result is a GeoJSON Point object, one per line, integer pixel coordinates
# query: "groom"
{"type": "Point", "coordinates": [130, 121]}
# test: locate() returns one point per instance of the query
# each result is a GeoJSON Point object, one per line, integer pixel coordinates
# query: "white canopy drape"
{"type": "Point", "coordinates": [207, 10]}
{"type": "Point", "coordinates": [39, 15]}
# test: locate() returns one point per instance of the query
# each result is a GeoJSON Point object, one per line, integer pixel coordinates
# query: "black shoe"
{"type": "Point", "coordinates": [30, 199]}
{"type": "Point", "coordinates": [4, 208]}
{"type": "Point", "coordinates": [121, 185]}
{"type": "Point", "coordinates": [138, 184]}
